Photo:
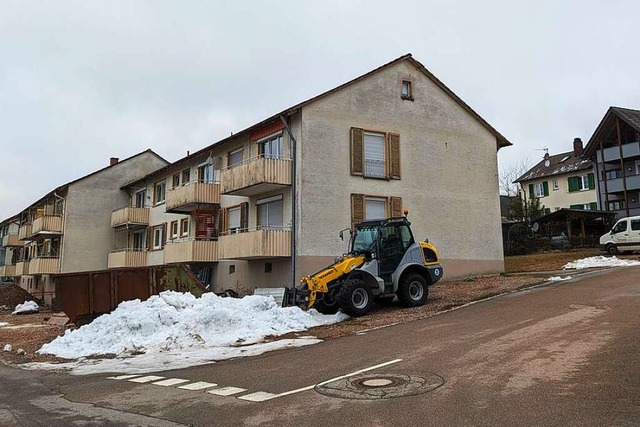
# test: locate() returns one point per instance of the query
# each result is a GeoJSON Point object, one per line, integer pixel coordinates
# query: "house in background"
{"type": "Point", "coordinates": [615, 149]}
{"type": "Point", "coordinates": [365, 149]}
{"type": "Point", "coordinates": [562, 181]}
{"type": "Point", "coordinates": [9, 245]}
{"type": "Point", "coordinates": [69, 229]}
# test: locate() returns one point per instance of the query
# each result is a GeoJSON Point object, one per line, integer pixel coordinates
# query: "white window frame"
{"type": "Point", "coordinates": [157, 237]}
{"type": "Point", "coordinates": [163, 185]}
{"type": "Point", "coordinates": [408, 93]}
{"type": "Point", "coordinates": [174, 233]}
{"type": "Point", "coordinates": [384, 200]}
{"type": "Point", "coordinates": [230, 229]}
{"type": "Point", "coordinates": [184, 221]}
{"type": "Point", "coordinates": [267, 201]}
{"type": "Point", "coordinates": [538, 190]}
{"type": "Point", "coordinates": [270, 139]}
{"type": "Point", "coordinates": [375, 168]}
{"type": "Point", "coordinates": [143, 195]}
{"type": "Point", "coordinates": [556, 184]}
{"type": "Point", "coordinates": [584, 182]}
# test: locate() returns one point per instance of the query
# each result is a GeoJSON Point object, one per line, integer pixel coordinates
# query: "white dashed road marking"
{"type": "Point", "coordinates": [226, 391]}
{"type": "Point", "coordinates": [200, 385]}
{"type": "Point", "coordinates": [123, 377]}
{"type": "Point", "coordinates": [213, 388]}
{"type": "Point", "coordinates": [147, 379]}
{"type": "Point", "coordinates": [171, 382]}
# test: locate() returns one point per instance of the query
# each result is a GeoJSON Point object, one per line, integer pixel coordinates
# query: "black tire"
{"type": "Point", "coordinates": [355, 298]}
{"type": "Point", "coordinates": [413, 290]}
{"type": "Point", "coordinates": [327, 304]}
{"type": "Point", "coordinates": [612, 249]}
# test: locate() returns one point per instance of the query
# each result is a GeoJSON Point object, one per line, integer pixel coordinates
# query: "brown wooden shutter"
{"type": "Point", "coordinates": [357, 208]}
{"type": "Point", "coordinates": [206, 226]}
{"type": "Point", "coordinates": [244, 216]}
{"type": "Point", "coordinates": [224, 221]}
{"type": "Point", "coordinates": [357, 151]}
{"type": "Point", "coordinates": [149, 238]}
{"type": "Point", "coordinates": [396, 206]}
{"type": "Point", "coordinates": [394, 155]}
{"type": "Point", "coordinates": [164, 234]}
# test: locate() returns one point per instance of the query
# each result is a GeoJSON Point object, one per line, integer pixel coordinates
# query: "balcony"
{"type": "Point", "coordinates": [255, 176]}
{"type": "Point", "coordinates": [24, 232]}
{"type": "Point", "coordinates": [47, 225]}
{"type": "Point", "coordinates": [616, 185]}
{"type": "Point", "coordinates": [48, 265]}
{"type": "Point", "coordinates": [127, 258]}
{"type": "Point", "coordinates": [129, 216]}
{"type": "Point", "coordinates": [192, 196]}
{"type": "Point", "coordinates": [7, 270]}
{"type": "Point", "coordinates": [22, 268]}
{"type": "Point", "coordinates": [631, 149]}
{"type": "Point", "coordinates": [255, 244]}
{"type": "Point", "coordinates": [191, 251]}
{"type": "Point", "coordinates": [11, 240]}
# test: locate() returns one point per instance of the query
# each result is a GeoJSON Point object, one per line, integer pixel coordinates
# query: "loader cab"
{"type": "Point", "coordinates": [386, 241]}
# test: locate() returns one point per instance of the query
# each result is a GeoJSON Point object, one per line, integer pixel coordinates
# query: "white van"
{"type": "Point", "coordinates": [624, 236]}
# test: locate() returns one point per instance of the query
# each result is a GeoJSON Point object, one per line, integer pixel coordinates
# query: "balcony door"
{"type": "Point", "coordinates": [140, 199]}
{"type": "Point", "coordinates": [270, 212]}
{"type": "Point", "coordinates": [206, 173]}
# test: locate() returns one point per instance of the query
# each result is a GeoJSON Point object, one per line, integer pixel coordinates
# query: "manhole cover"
{"type": "Point", "coordinates": [380, 386]}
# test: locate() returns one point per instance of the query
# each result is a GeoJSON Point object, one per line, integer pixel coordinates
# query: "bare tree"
{"type": "Point", "coordinates": [510, 173]}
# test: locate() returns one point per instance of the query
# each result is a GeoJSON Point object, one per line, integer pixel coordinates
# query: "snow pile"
{"type": "Point", "coordinates": [600, 261]}
{"type": "Point", "coordinates": [27, 308]}
{"type": "Point", "coordinates": [3, 324]}
{"type": "Point", "coordinates": [559, 279]}
{"type": "Point", "coordinates": [7, 347]}
{"type": "Point", "coordinates": [175, 322]}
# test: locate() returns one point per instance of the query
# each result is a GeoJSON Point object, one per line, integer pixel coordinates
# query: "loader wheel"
{"type": "Point", "coordinates": [413, 290]}
{"type": "Point", "coordinates": [355, 298]}
{"type": "Point", "coordinates": [327, 305]}
{"type": "Point", "coordinates": [612, 249]}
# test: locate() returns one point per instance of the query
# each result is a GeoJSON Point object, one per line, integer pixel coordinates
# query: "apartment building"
{"type": "Point", "coordinates": [562, 181]}
{"type": "Point", "coordinates": [615, 149]}
{"type": "Point", "coordinates": [69, 228]}
{"type": "Point", "coordinates": [370, 148]}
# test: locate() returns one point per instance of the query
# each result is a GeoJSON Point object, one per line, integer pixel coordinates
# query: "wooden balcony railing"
{"type": "Point", "coordinates": [255, 176]}
{"type": "Point", "coordinates": [7, 270]}
{"type": "Point", "coordinates": [22, 268]}
{"type": "Point", "coordinates": [191, 196]}
{"type": "Point", "coordinates": [47, 224]}
{"type": "Point", "coordinates": [191, 251]}
{"type": "Point", "coordinates": [11, 240]}
{"type": "Point", "coordinates": [47, 265]}
{"type": "Point", "coordinates": [24, 232]}
{"type": "Point", "coordinates": [255, 244]}
{"type": "Point", "coordinates": [130, 216]}
{"type": "Point", "coordinates": [127, 258]}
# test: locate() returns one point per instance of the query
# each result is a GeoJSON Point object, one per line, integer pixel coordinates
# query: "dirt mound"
{"type": "Point", "coordinates": [13, 295]}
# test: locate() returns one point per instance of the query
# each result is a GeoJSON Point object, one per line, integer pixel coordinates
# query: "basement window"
{"type": "Point", "coordinates": [268, 267]}
{"type": "Point", "coordinates": [232, 269]}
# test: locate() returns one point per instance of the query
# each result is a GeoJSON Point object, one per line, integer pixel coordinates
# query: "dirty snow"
{"type": "Point", "coordinates": [7, 347]}
{"type": "Point", "coordinates": [3, 324]}
{"type": "Point", "coordinates": [26, 308]}
{"type": "Point", "coordinates": [559, 279]}
{"type": "Point", "coordinates": [600, 261]}
{"type": "Point", "coordinates": [174, 330]}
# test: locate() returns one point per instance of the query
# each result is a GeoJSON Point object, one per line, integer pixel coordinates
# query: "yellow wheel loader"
{"type": "Point", "coordinates": [384, 261]}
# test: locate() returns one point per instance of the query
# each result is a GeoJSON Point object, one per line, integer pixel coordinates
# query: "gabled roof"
{"type": "Point", "coordinates": [65, 186]}
{"type": "Point", "coordinates": [629, 116]}
{"type": "Point", "coordinates": [501, 141]}
{"type": "Point", "coordinates": [556, 166]}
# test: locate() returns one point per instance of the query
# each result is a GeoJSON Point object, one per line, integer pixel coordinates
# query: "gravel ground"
{"type": "Point", "coordinates": [552, 260]}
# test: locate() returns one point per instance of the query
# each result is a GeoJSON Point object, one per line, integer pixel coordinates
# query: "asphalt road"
{"type": "Point", "coordinates": [564, 354]}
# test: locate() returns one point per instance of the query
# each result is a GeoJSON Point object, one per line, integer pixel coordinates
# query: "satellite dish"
{"type": "Point", "coordinates": [535, 227]}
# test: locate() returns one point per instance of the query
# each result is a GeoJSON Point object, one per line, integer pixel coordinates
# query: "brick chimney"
{"type": "Point", "coordinates": [114, 160]}
{"type": "Point", "coordinates": [577, 147]}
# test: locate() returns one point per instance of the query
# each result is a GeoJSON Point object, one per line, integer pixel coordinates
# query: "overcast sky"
{"type": "Point", "coordinates": [82, 81]}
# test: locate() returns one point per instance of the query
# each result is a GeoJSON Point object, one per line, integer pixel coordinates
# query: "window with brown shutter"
{"type": "Point", "coordinates": [357, 151]}
{"type": "Point", "coordinates": [357, 208]}
{"type": "Point", "coordinates": [394, 155]}
{"type": "Point", "coordinates": [206, 224]}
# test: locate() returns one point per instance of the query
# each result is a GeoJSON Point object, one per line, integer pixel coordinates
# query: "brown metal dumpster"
{"type": "Point", "coordinates": [86, 295]}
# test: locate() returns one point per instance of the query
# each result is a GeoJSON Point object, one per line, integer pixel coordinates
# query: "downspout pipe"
{"type": "Point", "coordinates": [294, 198]}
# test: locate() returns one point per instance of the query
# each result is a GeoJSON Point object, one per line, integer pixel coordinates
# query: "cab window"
{"type": "Point", "coordinates": [620, 227]}
{"type": "Point", "coordinates": [635, 225]}
{"type": "Point", "coordinates": [405, 235]}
